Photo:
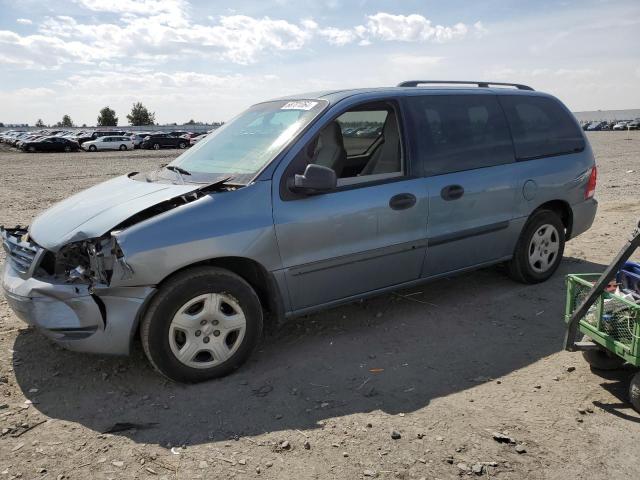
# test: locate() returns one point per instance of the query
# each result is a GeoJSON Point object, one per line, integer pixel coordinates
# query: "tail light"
{"type": "Point", "coordinates": [590, 190]}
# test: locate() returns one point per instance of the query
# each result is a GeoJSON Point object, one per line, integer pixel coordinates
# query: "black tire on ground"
{"type": "Point", "coordinates": [123, 147]}
{"type": "Point", "coordinates": [602, 359]}
{"type": "Point", "coordinates": [519, 267]}
{"type": "Point", "coordinates": [155, 324]}
{"type": "Point", "coordinates": [182, 145]}
{"type": "Point", "coordinates": [67, 148]}
{"type": "Point", "coordinates": [31, 149]}
{"type": "Point", "coordinates": [634, 392]}
{"type": "Point", "coordinates": [156, 146]}
{"type": "Point", "coordinates": [92, 148]}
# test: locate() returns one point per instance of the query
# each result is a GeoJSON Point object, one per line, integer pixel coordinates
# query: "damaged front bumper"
{"type": "Point", "coordinates": [78, 316]}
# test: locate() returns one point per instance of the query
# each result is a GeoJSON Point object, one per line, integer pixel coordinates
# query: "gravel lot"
{"type": "Point", "coordinates": [445, 367]}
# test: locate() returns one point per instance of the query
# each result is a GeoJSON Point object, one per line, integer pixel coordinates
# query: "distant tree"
{"type": "Point", "coordinates": [191, 122]}
{"type": "Point", "coordinates": [40, 123]}
{"type": "Point", "coordinates": [1, 125]}
{"type": "Point", "coordinates": [66, 122]}
{"type": "Point", "coordinates": [140, 115]}
{"type": "Point", "coordinates": [84, 125]}
{"type": "Point", "coordinates": [107, 118]}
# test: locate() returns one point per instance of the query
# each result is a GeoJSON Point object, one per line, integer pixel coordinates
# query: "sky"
{"type": "Point", "coordinates": [209, 60]}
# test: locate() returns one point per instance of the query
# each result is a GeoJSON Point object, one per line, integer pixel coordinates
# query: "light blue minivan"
{"type": "Point", "coordinates": [299, 204]}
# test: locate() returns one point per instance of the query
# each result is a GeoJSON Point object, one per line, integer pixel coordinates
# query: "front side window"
{"type": "Point", "coordinates": [460, 132]}
{"type": "Point", "coordinates": [246, 144]}
{"type": "Point", "coordinates": [361, 145]}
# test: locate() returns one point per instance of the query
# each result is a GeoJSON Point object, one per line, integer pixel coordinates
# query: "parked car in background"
{"type": "Point", "coordinates": [138, 137]}
{"type": "Point", "coordinates": [50, 144]}
{"type": "Point", "coordinates": [157, 141]}
{"type": "Point", "coordinates": [181, 133]}
{"type": "Point", "coordinates": [634, 125]}
{"type": "Point", "coordinates": [197, 138]}
{"type": "Point", "coordinates": [597, 126]}
{"type": "Point", "coordinates": [621, 125]}
{"type": "Point", "coordinates": [105, 133]}
{"type": "Point", "coordinates": [29, 138]}
{"type": "Point", "coordinates": [109, 143]}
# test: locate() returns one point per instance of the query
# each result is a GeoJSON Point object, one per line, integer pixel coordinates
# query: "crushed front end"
{"type": "Point", "coordinates": [71, 294]}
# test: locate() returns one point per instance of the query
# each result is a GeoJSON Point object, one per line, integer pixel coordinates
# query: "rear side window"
{"type": "Point", "coordinates": [541, 127]}
{"type": "Point", "coordinates": [460, 132]}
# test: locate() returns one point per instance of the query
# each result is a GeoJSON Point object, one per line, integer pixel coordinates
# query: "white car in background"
{"type": "Point", "coordinates": [621, 125]}
{"type": "Point", "coordinates": [194, 140]}
{"type": "Point", "coordinates": [109, 143]}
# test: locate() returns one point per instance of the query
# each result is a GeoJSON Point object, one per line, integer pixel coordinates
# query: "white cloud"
{"type": "Point", "coordinates": [398, 28]}
{"type": "Point", "coordinates": [40, 51]}
{"type": "Point", "coordinates": [138, 7]}
{"type": "Point", "coordinates": [337, 36]}
{"type": "Point", "coordinates": [411, 28]}
{"type": "Point", "coordinates": [237, 38]}
{"type": "Point", "coordinates": [24, 21]}
{"type": "Point", "coordinates": [479, 29]}
{"type": "Point", "coordinates": [161, 30]}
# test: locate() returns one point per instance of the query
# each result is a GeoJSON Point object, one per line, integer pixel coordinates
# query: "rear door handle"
{"type": "Point", "coordinates": [452, 192]}
{"type": "Point", "coordinates": [402, 201]}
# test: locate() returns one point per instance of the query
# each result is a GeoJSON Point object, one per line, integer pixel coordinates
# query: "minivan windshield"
{"type": "Point", "coordinates": [242, 147]}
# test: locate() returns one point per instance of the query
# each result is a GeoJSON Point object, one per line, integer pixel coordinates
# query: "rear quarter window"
{"type": "Point", "coordinates": [541, 127]}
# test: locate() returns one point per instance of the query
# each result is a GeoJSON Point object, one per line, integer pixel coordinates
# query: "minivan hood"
{"type": "Point", "coordinates": [93, 212]}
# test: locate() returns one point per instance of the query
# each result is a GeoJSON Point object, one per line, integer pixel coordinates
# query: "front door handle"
{"type": "Point", "coordinates": [452, 192]}
{"type": "Point", "coordinates": [402, 201]}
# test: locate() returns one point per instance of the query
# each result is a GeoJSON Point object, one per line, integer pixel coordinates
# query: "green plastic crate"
{"type": "Point", "coordinates": [612, 321]}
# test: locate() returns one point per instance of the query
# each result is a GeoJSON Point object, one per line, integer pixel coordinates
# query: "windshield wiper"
{"type": "Point", "coordinates": [218, 183]}
{"type": "Point", "coordinates": [179, 170]}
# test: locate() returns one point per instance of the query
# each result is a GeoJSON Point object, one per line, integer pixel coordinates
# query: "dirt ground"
{"type": "Point", "coordinates": [444, 365]}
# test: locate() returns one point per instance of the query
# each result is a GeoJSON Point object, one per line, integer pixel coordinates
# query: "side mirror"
{"type": "Point", "coordinates": [316, 179]}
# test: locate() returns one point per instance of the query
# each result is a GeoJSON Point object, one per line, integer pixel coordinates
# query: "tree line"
{"type": "Point", "coordinates": [139, 116]}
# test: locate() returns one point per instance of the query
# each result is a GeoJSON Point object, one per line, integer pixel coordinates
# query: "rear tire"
{"type": "Point", "coordinates": [123, 147]}
{"type": "Point", "coordinates": [182, 145]}
{"type": "Point", "coordinates": [67, 148]}
{"type": "Point", "coordinates": [187, 345]}
{"type": "Point", "coordinates": [156, 146]}
{"type": "Point", "coordinates": [92, 148]}
{"type": "Point", "coordinates": [539, 250]}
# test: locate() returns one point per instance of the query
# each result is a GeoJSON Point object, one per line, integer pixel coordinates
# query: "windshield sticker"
{"type": "Point", "coordinates": [299, 105]}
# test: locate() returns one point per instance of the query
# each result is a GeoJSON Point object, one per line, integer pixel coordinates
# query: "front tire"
{"type": "Point", "coordinates": [539, 250]}
{"type": "Point", "coordinates": [156, 146]}
{"type": "Point", "coordinates": [123, 147]}
{"type": "Point", "coordinates": [182, 145]}
{"type": "Point", "coordinates": [92, 148]}
{"type": "Point", "coordinates": [203, 323]}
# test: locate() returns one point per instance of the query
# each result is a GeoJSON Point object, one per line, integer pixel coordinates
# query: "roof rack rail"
{"type": "Point", "coordinates": [415, 83]}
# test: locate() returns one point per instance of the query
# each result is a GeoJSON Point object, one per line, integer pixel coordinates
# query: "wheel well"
{"type": "Point", "coordinates": [563, 209]}
{"type": "Point", "coordinates": [255, 275]}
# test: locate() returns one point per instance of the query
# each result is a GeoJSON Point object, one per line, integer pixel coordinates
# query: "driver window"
{"type": "Point", "coordinates": [361, 145]}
